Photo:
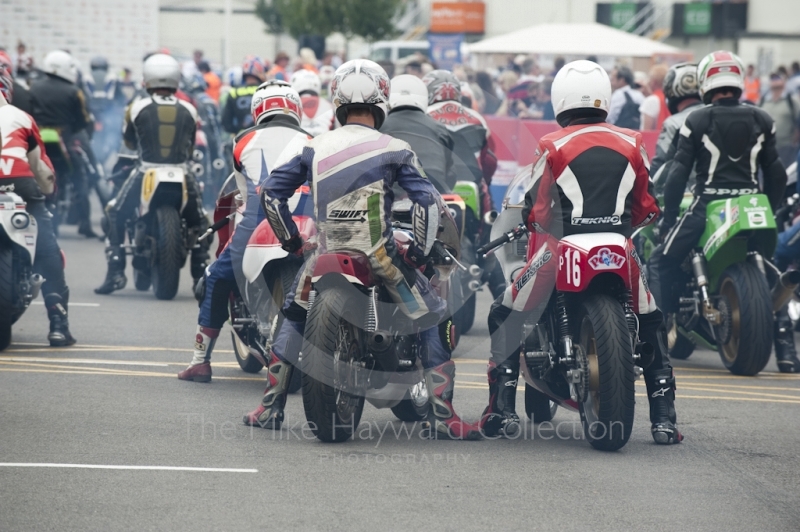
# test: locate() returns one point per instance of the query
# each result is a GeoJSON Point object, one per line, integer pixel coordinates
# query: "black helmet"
{"type": "Point", "coordinates": [99, 63]}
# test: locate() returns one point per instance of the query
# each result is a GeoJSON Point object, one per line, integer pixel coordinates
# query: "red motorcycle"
{"type": "Point", "coordinates": [584, 353]}
{"type": "Point", "coordinates": [267, 275]}
{"type": "Point", "coordinates": [359, 346]}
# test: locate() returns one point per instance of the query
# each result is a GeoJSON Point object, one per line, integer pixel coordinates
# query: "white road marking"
{"type": "Point", "coordinates": [71, 304]}
{"type": "Point", "coordinates": [83, 361]}
{"type": "Point", "coordinates": [131, 467]}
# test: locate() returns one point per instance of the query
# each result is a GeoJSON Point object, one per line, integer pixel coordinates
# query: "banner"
{"type": "Point", "coordinates": [446, 49]}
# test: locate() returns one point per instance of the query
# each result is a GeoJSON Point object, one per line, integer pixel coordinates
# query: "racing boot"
{"type": "Point", "coordinates": [199, 369]}
{"type": "Point", "coordinates": [269, 414]}
{"type": "Point", "coordinates": [85, 229]}
{"type": "Point", "coordinates": [785, 352]}
{"type": "Point", "coordinates": [500, 417]}
{"type": "Point", "coordinates": [59, 323]}
{"type": "Point", "coordinates": [661, 394]}
{"type": "Point", "coordinates": [444, 422]}
{"type": "Point", "coordinates": [115, 278]}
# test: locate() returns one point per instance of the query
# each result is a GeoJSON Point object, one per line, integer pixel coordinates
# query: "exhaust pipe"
{"type": "Point", "coordinates": [784, 289]}
{"type": "Point", "coordinates": [646, 353]}
{"type": "Point", "coordinates": [475, 270]}
{"type": "Point", "coordinates": [36, 281]}
{"type": "Point", "coordinates": [218, 164]}
{"type": "Point", "coordinates": [474, 285]}
{"type": "Point", "coordinates": [380, 342]}
{"type": "Point", "coordinates": [198, 170]}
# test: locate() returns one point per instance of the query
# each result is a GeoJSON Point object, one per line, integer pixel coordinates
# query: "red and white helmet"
{"type": "Point", "coordinates": [443, 86]}
{"type": "Point", "coordinates": [720, 70]}
{"type": "Point", "coordinates": [276, 97]}
{"type": "Point", "coordinates": [254, 66]}
{"type": "Point", "coordinates": [6, 76]}
{"type": "Point", "coordinates": [306, 81]}
{"type": "Point", "coordinates": [361, 83]}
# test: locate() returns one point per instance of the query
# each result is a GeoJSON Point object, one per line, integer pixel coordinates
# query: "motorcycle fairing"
{"type": "Point", "coordinates": [468, 191]}
{"type": "Point", "coordinates": [156, 176]}
{"type": "Point", "coordinates": [581, 258]}
{"type": "Point", "coordinates": [12, 205]}
{"type": "Point", "coordinates": [264, 246]}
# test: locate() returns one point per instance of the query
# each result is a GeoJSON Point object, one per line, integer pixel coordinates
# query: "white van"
{"type": "Point", "coordinates": [395, 50]}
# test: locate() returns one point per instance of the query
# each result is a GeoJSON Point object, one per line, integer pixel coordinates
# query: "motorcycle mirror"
{"type": "Point", "coordinates": [490, 217]}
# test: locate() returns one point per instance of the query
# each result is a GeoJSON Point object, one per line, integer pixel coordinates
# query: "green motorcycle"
{"type": "Point", "coordinates": [727, 305]}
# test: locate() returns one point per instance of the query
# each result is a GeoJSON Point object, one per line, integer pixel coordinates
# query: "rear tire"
{"type": "Point", "coordinates": [607, 411]}
{"type": "Point", "coordinates": [745, 289]}
{"type": "Point", "coordinates": [538, 406]}
{"type": "Point", "coordinates": [6, 296]}
{"type": "Point", "coordinates": [465, 316]}
{"type": "Point", "coordinates": [169, 252]}
{"type": "Point", "coordinates": [333, 414]}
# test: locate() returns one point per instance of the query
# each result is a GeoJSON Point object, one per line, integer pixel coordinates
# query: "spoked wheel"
{"type": "Point", "coordinates": [607, 404]}
{"type": "Point", "coordinates": [745, 336]}
{"type": "Point", "coordinates": [333, 371]}
{"type": "Point", "coordinates": [538, 406]}
{"type": "Point", "coordinates": [415, 405]}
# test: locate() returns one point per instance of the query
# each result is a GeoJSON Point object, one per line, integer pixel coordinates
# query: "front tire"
{"type": "Point", "coordinates": [744, 290]}
{"type": "Point", "coordinates": [330, 352]}
{"type": "Point", "coordinates": [607, 411]}
{"type": "Point", "coordinates": [7, 279]}
{"type": "Point", "coordinates": [166, 273]}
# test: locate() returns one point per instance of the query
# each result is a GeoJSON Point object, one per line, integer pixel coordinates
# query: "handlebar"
{"type": "Point", "coordinates": [219, 224]}
{"type": "Point", "coordinates": [515, 234]}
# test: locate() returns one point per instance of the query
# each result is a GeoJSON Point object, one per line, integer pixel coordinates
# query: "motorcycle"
{"type": "Point", "coordinates": [18, 284]}
{"type": "Point", "coordinates": [268, 273]}
{"type": "Point", "coordinates": [359, 346]}
{"type": "Point", "coordinates": [160, 239]}
{"type": "Point", "coordinates": [726, 304]}
{"type": "Point", "coordinates": [583, 353]}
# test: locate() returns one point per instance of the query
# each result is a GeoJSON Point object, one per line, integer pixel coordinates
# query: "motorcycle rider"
{"type": "Point", "coordinates": [60, 103]}
{"type": "Point", "coordinates": [108, 105]}
{"type": "Point", "coordinates": [22, 96]}
{"type": "Point", "coordinates": [236, 111]}
{"type": "Point", "coordinates": [683, 97]}
{"type": "Point", "coordinates": [345, 166]}
{"type": "Point", "coordinates": [277, 109]}
{"type": "Point", "coordinates": [430, 140]}
{"type": "Point", "coordinates": [317, 112]}
{"type": "Point", "coordinates": [162, 129]}
{"type": "Point", "coordinates": [726, 143]}
{"type": "Point", "coordinates": [568, 196]}
{"type": "Point", "coordinates": [27, 171]}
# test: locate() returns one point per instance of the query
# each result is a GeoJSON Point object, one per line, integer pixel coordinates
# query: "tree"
{"type": "Point", "coordinates": [370, 19]}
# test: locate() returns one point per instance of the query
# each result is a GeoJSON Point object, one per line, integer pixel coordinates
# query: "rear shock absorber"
{"type": "Point", "coordinates": [371, 324]}
{"type": "Point", "coordinates": [563, 329]}
{"type": "Point", "coordinates": [630, 315]}
{"type": "Point", "coordinates": [700, 272]}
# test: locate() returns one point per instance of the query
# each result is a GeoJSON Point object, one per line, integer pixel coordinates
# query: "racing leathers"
{"type": "Point", "coordinates": [353, 169]}
{"type": "Point", "coordinates": [62, 105]}
{"type": "Point", "coordinates": [473, 155]}
{"type": "Point", "coordinates": [726, 143]}
{"type": "Point", "coordinates": [431, 141]}
{"type": "Point", "coordinates": [256, 151]}
{"type": "Point", "coordinates": [236, 111]}
{"type": "Point", "coordinates": [162, 129]}
{"type": "Point", "coordinates": [26, 170]}
{"type": "Point", "coordinates": [589, 177]}
{"type": "Point", "coordinates": [667, 147]}
{"type": "Point", "coordinates": [317, 114]}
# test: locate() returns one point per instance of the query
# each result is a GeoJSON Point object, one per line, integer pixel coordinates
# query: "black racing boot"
{"type": "Point", "coordinates": [85, 229]}
{"type": "Point", "coordinates": [269, 414]}
{"type": "Point", "coordinates": [785, 352]}
{"type": "Point", "coordinates": [500, 417]}
{"type": "Point", "coordinates": [115, 278]}
{"type": "Point", "coordinates": [661, 394]}
{"type": "Point", "coordinates": [59, 322]}
{"type": "Point", "coordinates": [199, 261]}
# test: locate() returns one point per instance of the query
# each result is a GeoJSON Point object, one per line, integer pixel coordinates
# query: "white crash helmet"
{"type": "Point", "coordinates": [720, 70]}
{"type": "Point", "coordinates": [161, 71]}
{"type": "Point", "coordinates": [680, 83]}
{"type": "Point", "coordinates": [361, 83]}
{"type": "Point", "coordinates": [580, 87]}
{"type": "Point", "coordinates": [234, 76]}
{"type": "Point", "coordinates": [306, 81]}
{"type": "Point", "coordinates": [276, 97]}
{"type": "Point", "coordinates": [408, 91]}
{"type": "Point", "coordinates": [60, 63]}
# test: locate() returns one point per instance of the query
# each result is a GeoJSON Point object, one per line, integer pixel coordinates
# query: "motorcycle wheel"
{"type": "Point", "coordinates": [6, 296]}
{"type": "Point", "coordinates": [744, 289]}
{"type": "Point", "coordinates": [166, 271]}
{"type": "Point", "coordinates": [142, 280]}
{"type": "Point", "coordinates": [607, 410]}
{"type": "Point", "coordinates": [538, 406]}
{"type": "Point", "coordinates": [331, 344]}
{"type": "Point", "coordinates": [413, 409]}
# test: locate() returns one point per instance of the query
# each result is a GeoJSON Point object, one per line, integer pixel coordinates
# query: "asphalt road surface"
{"type": "Point", "coordinates": [173, 455]}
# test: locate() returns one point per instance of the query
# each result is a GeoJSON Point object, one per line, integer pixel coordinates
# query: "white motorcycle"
{"type": "Point", "coordinates": [160, 239]}
{"type": "Point", "coordinates": [18, 284]}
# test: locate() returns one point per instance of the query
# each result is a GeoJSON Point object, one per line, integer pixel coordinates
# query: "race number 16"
{"type": "Point", "coordinates": [572, 259]}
